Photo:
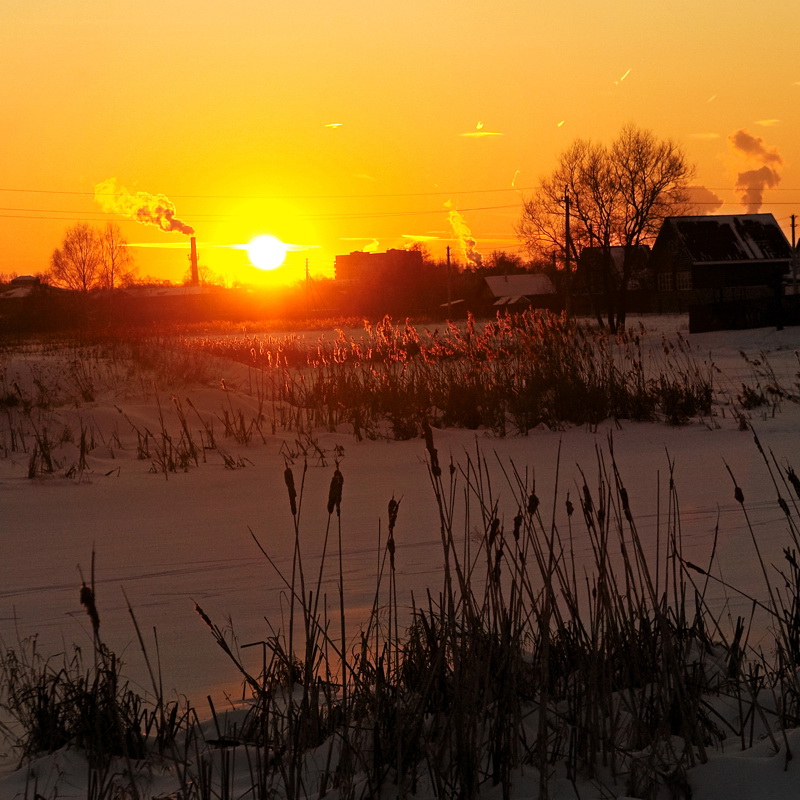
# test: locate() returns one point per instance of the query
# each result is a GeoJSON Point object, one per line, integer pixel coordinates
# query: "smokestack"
{"type": "Point", "coordinates": [193, 261]}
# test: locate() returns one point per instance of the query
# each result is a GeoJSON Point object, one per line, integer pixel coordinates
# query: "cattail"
{"type": "Point", "coordinates": [288, 477]}
{"type": "Point", "coordinates": [335, 492]}
{"type": "Point", "coordinates": [738, 495]}
{"type": "Point", "coordinates": [623, 494]}
{"type": "Point", "coordinates": [428, 434]}
{"type": "Point", "coordinates": [533, 503]}
{"type": "Point", "coordinates": [587, 499]}
{"type": "Point", "coordinates": [493, 530]}
{"type": "Point", "coordinates": [390, 548]}
{"type": "Point", "coordinates": [203, 616]}
{"type": "Point", "coordinates": [794, 480]}
{"type": "Point", "coordinates": [517, 526]}
{"type": "Point", "coordinates": [570, 507]}
{"type": "Point", "coordinates": [87, 601]}
{"type": "Point", "coordinates": [394, 505]}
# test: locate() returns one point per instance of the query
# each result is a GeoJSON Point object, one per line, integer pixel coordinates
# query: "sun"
{"type": "Point", "coordinates": [266, 252]}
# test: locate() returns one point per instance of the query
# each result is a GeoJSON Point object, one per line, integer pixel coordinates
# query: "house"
{"type": "Point", "coordinates": [28, 304]}
{"type": "Point", "coordinates": [603, 281]}
{"type": "Point", "coordinates": [517, 292]}
{"type": "Point", "coordinates": [595, 262]}
{"type": "Point", "coordinates": [727, 269]}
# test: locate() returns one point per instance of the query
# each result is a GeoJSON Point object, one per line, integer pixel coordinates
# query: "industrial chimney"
{"type": "Point", "coordinates": [195, 275]}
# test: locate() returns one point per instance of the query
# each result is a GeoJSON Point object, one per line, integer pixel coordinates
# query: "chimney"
{"type": "Point", "coordinates": [193, 261]}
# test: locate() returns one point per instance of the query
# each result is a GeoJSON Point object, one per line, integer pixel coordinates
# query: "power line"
{"type": "Point", "coordinates": [319, 217]}
{"type": "Point", "coordinates": [283, 197]}
{"type": "Point", "coordinates": [346, 196]}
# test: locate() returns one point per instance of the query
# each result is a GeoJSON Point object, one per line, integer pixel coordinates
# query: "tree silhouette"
{"type": "Point", "coordinates": [89, 258]}
{"type": "Point", "coordinates": [618, 196]}
{"type": "Point", "coordinates": [76, 264]}
{"type": "Point", "coordinates": [116, 267]}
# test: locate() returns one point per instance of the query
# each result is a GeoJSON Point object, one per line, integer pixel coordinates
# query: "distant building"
{"type": "Point", "coordinates": [728, 269]}
{"type": "Point", "coordinates": [28, 304]}
{"type": "Point", "coordinates": [391, 282]}
{"type": "Point", "coordinates": [372, 267]}
{"type": "Point", "coordinates": [21, 287]}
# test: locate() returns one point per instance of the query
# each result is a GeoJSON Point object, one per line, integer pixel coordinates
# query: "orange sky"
{"type": "Point", "coordinates": [226, 108]}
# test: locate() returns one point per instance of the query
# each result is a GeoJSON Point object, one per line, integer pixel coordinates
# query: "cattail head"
{"type": "Point", "coordinates": [517, 526]}
{"type": "Point", "coordinates": [434, 456]}
{"type": "Point", "coordinates": [394, 506]}
{"type": "Point", "coordinates": [288, 478]}
{"type": "Point", "coordinates": [87, 601]}
{"type": "Point", "coordinates": [335, 492]}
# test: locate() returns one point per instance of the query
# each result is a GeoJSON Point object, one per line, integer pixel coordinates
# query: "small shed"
{"type": "Point", "coordinates": [516, 292]}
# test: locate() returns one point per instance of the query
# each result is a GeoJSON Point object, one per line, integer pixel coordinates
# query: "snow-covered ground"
{"type": "Point", "coordinates": [168, 542]}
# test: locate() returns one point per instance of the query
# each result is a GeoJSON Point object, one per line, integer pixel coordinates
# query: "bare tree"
{"type": "Point", "coordinates": [618, 197]}
{"type": "Point", "coordinates": [116, 267]}
{"type": "Point", "coordinates": [76, 264]}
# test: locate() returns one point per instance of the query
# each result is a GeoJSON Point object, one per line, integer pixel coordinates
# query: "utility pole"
{"type": "Point", "coordinates": [567, 276]}
{"type": "Point", "coordinates": [449, 299]}
{"type": "Point", "coordinates": [308, 293]}
{"type": "Point", "coordinates": [794, 255]}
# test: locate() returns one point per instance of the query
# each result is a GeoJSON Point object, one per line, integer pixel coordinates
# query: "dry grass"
{"type": "Point", "coordinates": [620, 676]}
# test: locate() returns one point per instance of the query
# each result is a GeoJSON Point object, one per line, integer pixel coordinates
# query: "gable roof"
{"type": "Point", "coordinates": [725, 239]}
{"type": "Point", "coordinates": [519, 285]}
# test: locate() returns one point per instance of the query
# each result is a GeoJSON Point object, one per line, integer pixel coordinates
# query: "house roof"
{"type": "Point", "coordinates": [519, 285]}
{"type": "Point", "coordinates": [730, 238]}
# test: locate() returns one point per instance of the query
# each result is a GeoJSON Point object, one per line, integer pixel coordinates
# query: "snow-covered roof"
{"type": "Point", "coordinates": [519, 285]}
{"type": "Point", "coordinates": [731, 238]}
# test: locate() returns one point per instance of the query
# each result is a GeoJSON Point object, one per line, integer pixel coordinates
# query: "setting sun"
{"type": "Point", "coordinates": [266, 252]}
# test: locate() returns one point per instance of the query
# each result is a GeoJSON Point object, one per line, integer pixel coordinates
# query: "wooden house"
{"type": "Point", "coordinates": [517, 292]}
{"type": "Point", "coordinates": [727, 270]}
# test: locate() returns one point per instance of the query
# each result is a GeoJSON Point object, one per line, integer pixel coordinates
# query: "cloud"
{"type": "Point", "coordinates": [420, 237]}
{"type": "Point", "coordinates": [767, 123]}
{"type": "Point", "coordinates": [372, 244]}
{"type": "Point", "coordinates": [702, 200]}
{"type": "Point", "coordinates": [704, 136]}
{"type": "Point", "coordinates": [479, 132]}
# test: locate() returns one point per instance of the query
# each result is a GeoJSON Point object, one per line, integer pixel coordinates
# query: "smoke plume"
{"type": "Point", "coordinates": [463, 235]}
{"type": "Point", "coordinates": [753, 182]}
{"type": "Point", "coordinates": [149, 209]}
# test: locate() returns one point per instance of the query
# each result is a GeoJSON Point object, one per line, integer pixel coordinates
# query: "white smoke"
{"type": "Point", "coordinates": [753, 182]}
{"type": "Point", "coordinates": [149, 209]}
{"type": "Point", "coordinates": [463, 235]}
